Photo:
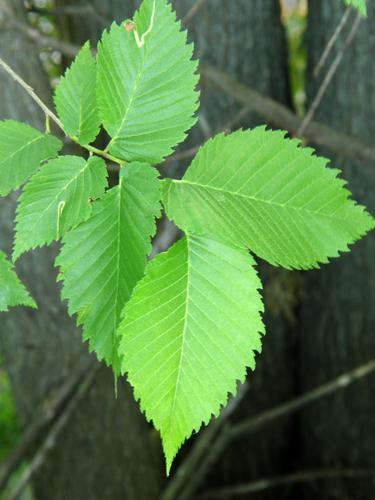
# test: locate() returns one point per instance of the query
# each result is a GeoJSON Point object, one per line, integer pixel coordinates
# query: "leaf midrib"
{"type": "Point", "coordinates": [115, 319]}
{"type": "Point", "coordinates": [260, 200]}
{"type": "Point", "coordinates": [178, 378]}
{"type": "Point", "coordinates": [131, 100]}
{"type": "Point", "coordinates": [14, 153]}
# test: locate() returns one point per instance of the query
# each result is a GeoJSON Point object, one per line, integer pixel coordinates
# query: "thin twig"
{"type": "Point", "coordinates": [287, 480]}
{"type": "Point", "coordinates": [281, 116]}
{"type": "Point", "coordinates": [188, 484]}
{"type": "Point", "coordinates": [52, 436]}
{"type": "Point", "coordinates": [31, 93]}
{"type": "Point", "coordinates": [237, 118]}
{"type": "Point", "coordinates": [45, 41]}
{"type": "Point", "coordinates": [341, 382]}
{"type": "Point", "coordinates": [272, 111]}
{"type": "Point", "coordinates": [72, 10]}
{"type": "Point", "coordinates": [183, 155]}
{"type": "Point", "coordinates": [193, 11]}
{"type": "Point", "coordinates": [332, 41]}
{"type": "Point", "coordinates": [189, 470]}
{"type": "Point", "coordinates": [329, 76]}
{"type": "Point", "coordinates": [41, 422]}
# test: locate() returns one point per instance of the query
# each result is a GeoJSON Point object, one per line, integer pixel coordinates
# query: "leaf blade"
{"type": "Point", "coordinates": [22, 150]}
{"type": "Point", "coordinates": [103, 258]}
{"type": "Point", "coordinates": [12, 291]}
{"type": "Point", "coordinates": [186, 339]}
{"type": "Point", "coordinates": [56, 199]}
{"type": "Point", "coordinates": [360, 5]}
{"type": "Point", "coordinates": [147, 111]}
{"type": "Point", "coordinates": [75, 98]}
{"type": "Point", "coordinates": [258, 190]}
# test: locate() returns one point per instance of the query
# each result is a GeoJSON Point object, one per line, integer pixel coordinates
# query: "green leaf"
{"type": "Point", "coordinates": [146, 94]}
{"type": "Point", "coordinates": [103, 258]}
{"type": "Point", "coordinates": [56, 199]}
{"type": "Point", "coordinates": [75, 98]}
{"type": "Point", "coordinates": [259, 190]}
{"type": "Point", "coordinates": [12, 291]}
{"type": "Point", "coordinates": [22, 149]}
{"type": "Point", "coordinates": [358, 4]}
{"type": "Point", "coordinates": [188, 333]}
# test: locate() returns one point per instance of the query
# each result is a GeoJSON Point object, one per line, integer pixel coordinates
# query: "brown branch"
{"type": "Point", "coordinates": [341, 382]}
{"type": "Point", "coordinates": [41, 422]}
{"type": "Point", "coordinates": [329, 76]}
{"type": "Point", "coordinates": [279, 115]}
{"type": "Point", "coordinates": [183, 155]}
{"type": "Point", "coordinates": [44, 41]}
{"type": "Point", "coordinates": [274, 482]}
{"type": "Point", "coordinates": [193, 11]}
{"type": "Point", "coordinates": [332, 41]}
{"type": "Point", "coordinates": [71, 10]}
{"type": "Point", "coordinates": [189, 483]}
{"type": "Point", "coordinates": [17, 78]}
{"type": "Point", "coordinates": [270, 110]}
{"type": "Point", "coordinates": [190, 467]}
{"type": "Point", "coordinates": [26, 87]}
{"type": "Point", "coordinates": [53, 434]}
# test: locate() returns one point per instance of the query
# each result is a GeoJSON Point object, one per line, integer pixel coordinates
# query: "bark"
{"type": "Point", "coordinates": [235, 37]}
{"type": "Point", "coordinates": [338, 317]}
{"type": "Point", "coordinates": [100, 459]}
{"type": "Point", "coordinates": [108, 450]}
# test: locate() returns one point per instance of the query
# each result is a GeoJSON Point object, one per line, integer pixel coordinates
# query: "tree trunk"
{"type": "Point", "coordinates": [107, 451]}
{"type": "Point", "coordinates": [236, 37]}
{"type": "Point", "coordinates": [338, 315]}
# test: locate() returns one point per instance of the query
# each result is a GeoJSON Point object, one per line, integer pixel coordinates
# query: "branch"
{"type": "Point", "coordinates": [52, 436]}
{"type": "Point", "coordinates": [45, 41]}
{"type": "Point", "coordinates": [189, 470]}
{"type": "Point", "coordinates": [193, 11]}
{"type": "Point", "coordinates": [341, 382]}
{"type": "Point", "coordinates": [329, 76]}
{"type": "Point", "coordinates": [184, 487]}
{"type": "Point", "coordinates": [270, 110]}
{"type": "Point", "coordinates": [332, 41]}
{"type": "Point", "coordinates": [71, 10]}
{"type": "Point", "coordinates": [31, 93]}
{"type": "Point", "coordinates": [43, 419]}
{"type": "Point", "coordinates": [279, 115]}
{"type": "Point", "coordinates": [52, 115]}
{"type": "Point", "coordinates": [273, 482]}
